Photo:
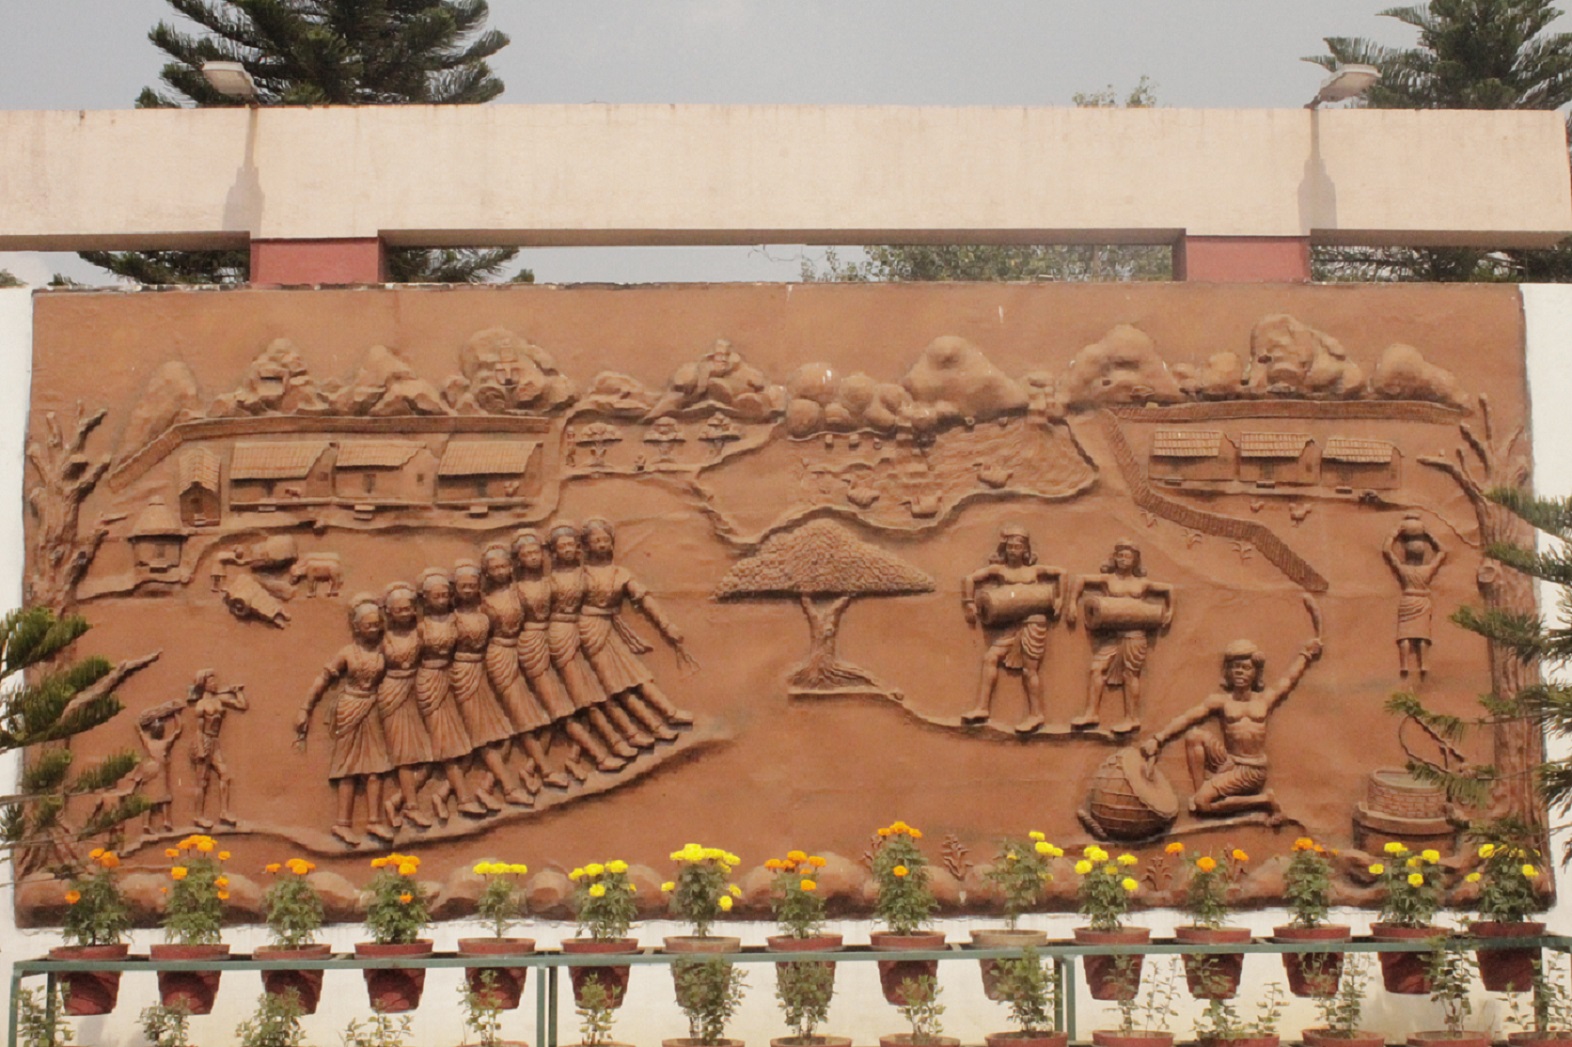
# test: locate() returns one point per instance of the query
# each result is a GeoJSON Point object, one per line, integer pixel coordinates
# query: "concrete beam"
{"type": "Point", "coordinates": [612, 174]}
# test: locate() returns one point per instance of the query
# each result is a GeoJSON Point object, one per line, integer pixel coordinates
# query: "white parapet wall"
{"type": "Point", "coordinates": [630, 174]}
{"type": "Point", "coordinates": [650, 1013]}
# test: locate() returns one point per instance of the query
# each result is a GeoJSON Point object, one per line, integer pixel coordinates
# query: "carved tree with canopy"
{"type": "Point", "coordinates": [825, 566]}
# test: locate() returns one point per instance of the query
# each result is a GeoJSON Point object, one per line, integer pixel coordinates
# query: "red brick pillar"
{"type": "Point", "coordinates": [1242, 259]}
{"type": "Point", "coordinates": [341, 261]}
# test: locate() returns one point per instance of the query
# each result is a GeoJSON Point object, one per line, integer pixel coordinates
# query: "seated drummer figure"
{"type": "Point", "coordinates": [1228, 769]}
{"type": "Point", "coordinates": [1029, 597]}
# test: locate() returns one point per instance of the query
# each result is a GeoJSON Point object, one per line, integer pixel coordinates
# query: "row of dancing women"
{"type": "Point", "coordinates": [464, 680]}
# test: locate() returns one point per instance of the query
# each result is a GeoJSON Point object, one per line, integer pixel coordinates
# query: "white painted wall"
{"type": "Point", "coordinates": [650, 1013]}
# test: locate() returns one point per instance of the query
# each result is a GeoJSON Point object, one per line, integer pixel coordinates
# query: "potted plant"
{"type": "Point", "coordinates": [1506, 877]}
{"type": "Point", "coordinates": [1031, 990]}
{"type": "Point", "coordinates": [921, 1008]}
{"type": "Point", "coordinates": [1549, 1023]}
{"type": "Point", "coordinates": [597, 1012]}
{"type": "Point", "coordinates": [1220, 1025]}
{"type": "Point", "coordinates": [603, 900]}
{"type": "Point", "coordinates": [905, 905]}
{"type": "Point", "coordinates": [482, 1015]}
{"type": "Point", "coordinates": [396, 914]}
{"type": "Point", "coordinates": [1341, 1011]}
{"type": "Point", "coordinates": [798, 906]}
{"type": "Point", "coordinates": [1308, 887]}
{"type": "Point", "coordinates": [701, 892]}
{"type": "Point", "coordinates": [1449, 987]}
{"type": "Point", "coordinates": [96, 920]}
{"type": "Point", "coordinates": [166, 1025]}
{"type": "Point", "coordinates": [1143, 1016]}
{"type": "Point", "coordinates": [499, 905]}
{"type": "Point", "coordinates": [40, 1017]}
{"type": "Point", "coordinates": [275, 1023]}
{"type": "Point", "coordinates": [709, 991]}
{"type": "Point", "coordinates": [804, 989]}
{"type": "Point", "coordinates": [1212, 976]}
{"type": "Point", "coordinates": [1020, 871]}
{"type": "Point", "coordinates": [193, 922]}
{"type": "Point", "coordinates": [378, 1031]}
{"type": "Point", "coordinates": [1412, 884]}
{"type": "Point", "coordinates": [294, 916]}
{"type": "Point", "coordinates": [1103, 895]}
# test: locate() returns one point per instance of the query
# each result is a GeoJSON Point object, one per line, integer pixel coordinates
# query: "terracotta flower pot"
{"type": "Point", "coordinates": [1026, 1039]}
{"type": "Point", "coordinates": [1312, 973]}
{"type": "Point", "coordinates": [307, 984]}
{"type": "Point", "coordinates": [1238, 1041]}
{"type": "Point", "coordinates": [688, 1041]}
{"type": "Point", "coordinates": [613, 978]}
{"type": "Point", "coordinates": [1360, 1038]}
{"type": "Point", "coordinates": [811, 1041]}
{"type": "Point", "coordinates": [818, 943]}
{"type": "Point", "coordinates": [697, 945]}
{"type": "Point", "coordinates": [195, 990]}
{"type": "Point", "coordinates": [393, 990]}
{"type": "Point", "coordinates": [1113, 977]}
{"type": "Point", "coordinates": [506, 983]}
{"type": "Point", "coordinates": [894, 973]}
{"type": "Point", "coordinates": [90, 992]}
{"type": "Point", "coordinates": [1442, 1038]}
{"type": "Point", "coordinates": [1507, 970]}
{"type": "Point", "coordinates": [1405, 973]}
{"type": "Point", "coordinates": [905, 1039]}
{"type": "Point", "coordinates": [1137, 1038]}
{"type": "Point", "coordinates": [1213, 976]}
{"type": "Point", "coordinates": [1548, 1038]}
{"type": "Point", "coordinates": [1002, 938]}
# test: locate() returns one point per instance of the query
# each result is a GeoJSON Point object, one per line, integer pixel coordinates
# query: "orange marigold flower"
{"type": "Point", "coordinates": [900, 870]}
{"type": "Point", "coordinates": [223, 856]}
{"type": "Point", "coordinates": [808, 885]}
{"type": "Point", "coordinates": [1174, 848]}
{"type": "Point", "coordinates": [171, 852]}
{"type": "Point", "coordinates": [96, 853]}
{"type": "Point", "coordinates": [1240, 856]}
{"type": "Point", "coordinates": [109, 860]}
{"type": "Point", "coordinates": [406, 898]}
{"type": "Point", "coordinates": [1304, 843]}
{"type": "Point", "coordinates": [221, 882]}
{"type": "Point", "coordinates": [815, 861]}
{"type": "Point", "coordinates": [272, 867]}
{"type": "Point", "coordinates": [223, 896]}
{"type": "Point", "coordinates": [72, 897]}
{"type": "Point", "coordinates": [178, 872]}
{"type": "Point", "coordinates": [1206, 863]}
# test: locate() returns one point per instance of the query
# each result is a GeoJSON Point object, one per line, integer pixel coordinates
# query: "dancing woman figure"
{"type": "Point", "coordinates": [487, 725]}
{"type": "Point", "coordinates": [562, 636]}
{"type": "Point", "coordinates": [450, 744]}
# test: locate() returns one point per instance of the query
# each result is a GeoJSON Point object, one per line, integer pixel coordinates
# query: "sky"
{"type": "Point", "coordinates": [94, 54]}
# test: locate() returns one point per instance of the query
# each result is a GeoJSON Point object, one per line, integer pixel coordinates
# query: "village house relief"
{"type": "Point", "coordinates": [501, 578]}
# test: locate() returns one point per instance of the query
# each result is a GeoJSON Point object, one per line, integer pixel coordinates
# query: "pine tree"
{"type": "Point", "coordinates": [45, 702]}
{"type": "Point", "coordinates": [324, 52]}
{"type": "Point", "coordinates": [1085, 262]}
{"type": "Point", "coordinates": [1471, 54]}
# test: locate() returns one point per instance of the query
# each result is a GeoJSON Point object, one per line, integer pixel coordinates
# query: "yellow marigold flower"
{"type": "Point", "coordinates": [1083, 867]}
{"type": "Point", "coordinates": [725, 903]}
{"type": "Point", "coordinates": [223, 856]}
{"type": "Point", "coordinates": [668, 886]}
{"type": "Point", "coordinates": [178, 872]}
{"type": "Point", "coordinates": [808, 885]}
{"type": "Point", "coordinates": [205, 845]}
{"type": "Point", "coordinates": [1239, 856]}
{"type": "Point", "coordinates": [519, 868]}
{"type": "Point", "coordinates": [1096, 853]}
{"type": "Point", "coordinates": [736, 892]}
{"type": "Point", "coordinates": [1043, 847]}
{"type": "Point", "coordinates": [482, 868]}
{"type": "Point", "coordinates": [1530, 872]}
{"type": "Point", "coordinates": [1416, 879]}
{"type": "Point", "coordinates": [223, 896]}
{"type": "Point", "coordinates": [377, 863]}
{"type": "Point", "coordinates": [1035, 835]}
{"type": "Point", "coordinates": [597, 890]}
{"type": "Point", "coordinates": [221, 882]}
{"type": "Point", "coordinates": [1430, 855]}
{"type": "Point", "coordinates": [632, 888]}
{"type": "Point", "coordinates": [109, 859]}
{"type": "Point", "coordinates": [815, 861]}
{"type": "Point", "coordinates": [732, 859]}
{"type": "Point", "coordinates": [617, 865]}
{"type": "Point", "coordinates": [299, 866]}
{"type": "Point", "coordinates": [1472, 877]}
{"type": "Point", "coordinates": [594, 869]}
{"type": "Point", "coordinates": [1174, 848]}
{"type": "Point", "coordinates": [576, 874]}
{"type": "Point", "coordinates": [408, 869]}
{"type": "Point", "coordinates": [1110, 868]}
{"type": "Point", "coordinates": [72, 897]}
{"type": "Point", "coordinates": [796, 856]}
{"type": "Point", "coordinates": [1377, 869]}
{"type": "Point", "coordinates": [1486, 850]}
{"type": "Point", "coordinates": [406, 898]}
{"type": "Point", "coordinates": [900, 870]}
{"type": "Point", "coordinates": [1393, 847]}
{"type": "Point", "coordinates": [915, 834]}
{"type": "Point", "coordinates": [884, 832]}
{"type": "Point", "coordinates": [1206, 863]}
{"type": "Point", "coordinates": [1414, 862]}
{"type": "Point", "coordinates": [1129, 884]}
{"type": "Point", "coordinates": [171, 852]}
{"type": "Point", "coordinates": [774, 864]}
{"type": "Point", "coordinates": [1304, 843]}
{"type": "Point", "coordinates": [1127, 859]}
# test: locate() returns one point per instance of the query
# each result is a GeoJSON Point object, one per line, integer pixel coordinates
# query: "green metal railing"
{"type": "Point", "coordinates": [550, 962]}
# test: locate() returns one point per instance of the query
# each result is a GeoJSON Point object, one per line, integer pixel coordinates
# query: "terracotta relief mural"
{"type": "Point", "coordinates": [501, 570]}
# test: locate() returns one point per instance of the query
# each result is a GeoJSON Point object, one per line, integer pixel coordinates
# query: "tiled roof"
{"type": "Point", "coordinates": [1186, 443]}
{"type": "Point", "coordinates": [199, 466]}
{"type": "Point", "coordinates": [275, 461]}
{"type": "Point", "coordinates": [1272, 445]}
{"type": "Point", "coordinates": [1349, 449]}
{"type": "Point", "coordinates": [487, 457]}
{"type": "Point", "coordinates": [375, 454]}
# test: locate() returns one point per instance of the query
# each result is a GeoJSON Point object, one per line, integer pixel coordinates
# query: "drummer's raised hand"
{"type": "Point", "coordinates": [969, 609]}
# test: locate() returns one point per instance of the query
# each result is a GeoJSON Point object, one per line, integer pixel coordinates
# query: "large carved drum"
{"type": "Point", "coordinates": [1005, 604]}
{"type": "Point", "coordinates": [1115, 613]}
{"type": "Point", "coordinates": [1127, 805]}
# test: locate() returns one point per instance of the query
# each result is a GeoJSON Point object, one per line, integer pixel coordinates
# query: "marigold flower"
{"type": "Point", "coordinates": [223, 856]}
{"type": "Point", "coordinates": [796, 856]}
{"type": "Point", "coordinates": [109, 859]}
{"type": "Point", "coordinates": [1083, 867]}
{"type": "Point", "coordinates": [1206, 863]}
{"type": "Point", "coordinates": [1110, 868]}
{"type": "Point", "coordinates": [406, 898]}
{"type": "Point", "coordinates": [519, 868]}
{"type": "Point", "coordinates": [669, 886]}
{"type": "Point", "coordinates": [775, 864]}
{"type": "Point", "coordinates": [617, 865]}
{"type": "Point", "coordinates": [72, 897]}
{"type": "Point", "coordinates": [1430, 855]}
{"type": "Point", "coordinates": [815, 861]}
{"type": "Point", "coordinates": [915, 834]}
{"type": "Point", "coordinates": [1393, 847]}
{"type": "Point", "coordinates": [576, 874]}
{"type": "Point", "coordinates": [725, 903]}
{"type": "Point", "coordinates": [205, 845]}
{"type": "Point", "coordinates": [1530, 872]}
{"type": "Point", "coordinates": [178, 872]}
{"type": "Point", "coordinates": [597, 890]}
{"type": "Point", "coordinates": [1416, 879]}
{"type": "Point", "coordinates": [482, 868]}
{"type": "Point", "coordinates": [1174, 848]}
{"type": "Point", "coordinates": [272, 867]}
{"type": "Point", "coordinates": [1472, 877]}
{"type": "Point", "coordinates": [633, 888]}
{"type": "Point", "coordinates": [171, 852]}
{"type": "Point", "coordinates": [900, 870]}
{"type": "Point", "coordinates": [1486, 850]}
{"type": "Point", "coordinates": [96, 853]}
{"type": "Point", "coordinates": [594, 869]}
{"type": "Point", "coordinates": [377, 863]}
{"type": "Point", "coordinates": [1035, 835]}
{"type": "Point", "coordinates": [808, 885]}
{"type": "Point", "coordinates": [1239, 856]}
{"type": "Point", "coordinates": [1414, 862]}
{"type": "Point", "coordinates": [1304, 843]}
{"type": "Point", "coordinates": [884, 832]}
{"type": "Point", "coordinates": [408, 869]}
{"type": "Point", "coordinates": [1129, 884]}
{"type": "Point", "coordinates": [736, 892]}
{"type": "Point", "coordinates": [1096, 853]}
{"type": "Point", "coordinates": [1377, 869]}
{"type": "Point", "coordinates": [223, 896]}
{"type": "Point", "coordinates": [221, 882]}
{"type": "Point", "coordinates": [1127, 859]}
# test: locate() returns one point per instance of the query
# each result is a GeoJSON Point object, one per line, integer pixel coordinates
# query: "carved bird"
{"type": "Point", "coordinates": [1297, 513]}
{"type": "Point", "coordinates": [860, 493]}
{"type": "Point", "coordinates": [1256, 505]}
{"type": "Point", "coordinates": [994, 476]}
{"type": "Point", "coordinates": [923, 506]}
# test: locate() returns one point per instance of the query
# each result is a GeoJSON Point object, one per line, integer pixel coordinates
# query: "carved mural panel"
{"type": "Point", "coordinates": [526, 571]}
